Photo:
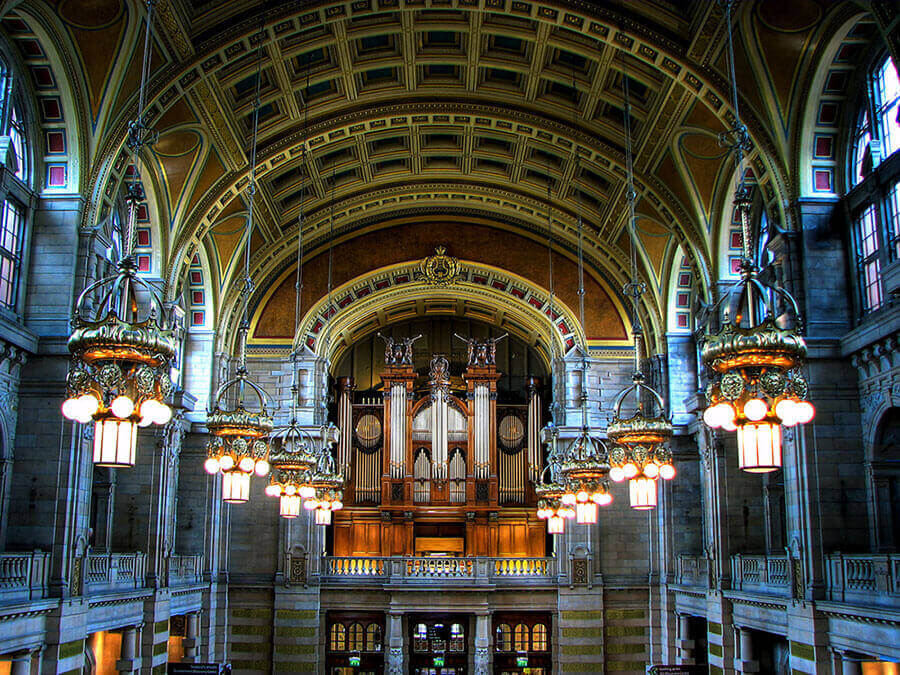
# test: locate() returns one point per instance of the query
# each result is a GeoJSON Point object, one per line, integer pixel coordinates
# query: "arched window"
{"type": "Point", "coordinates": [539, 638]}
{"type": "Point", "coordinates": [874, 198]}
{"type": "Point", "coordinates": [373, 638]}
{"type": "Point", "coordinates": [457, 638]}
{"type": "Point", "coordinates": [338, 638]}
{"type": "Point", "coordinates": [504, 638]}
{"type": "Point", "coordinates": [17, 138]}
{"type": "Point", "coordinates": [520, 638]}
{"type": "Point", "coordinates": [420, 638]}
{"type": "Point", "coordinates": [355, 638]}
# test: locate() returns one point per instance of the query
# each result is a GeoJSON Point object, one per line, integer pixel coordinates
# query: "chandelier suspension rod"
{"type": "Point", "coordinates": [251, 189]}
{"type": "Point", "coordinates": [298, 280]}
{"type": "Point", "coordinates": [634, 289]}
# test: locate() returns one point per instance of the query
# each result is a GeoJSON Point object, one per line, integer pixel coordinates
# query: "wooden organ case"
{"type": "Point", "coordinates": [435, 466]}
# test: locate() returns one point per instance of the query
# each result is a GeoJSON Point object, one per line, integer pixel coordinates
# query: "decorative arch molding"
{"type": "Point", "coordinates": [820, 147]}
{"type": "Point", "coordinates": [58, 92]}
{"type": "Point", "coordinates": [392, 293]}
{"type": "Point", "coordinates": [504, 194]}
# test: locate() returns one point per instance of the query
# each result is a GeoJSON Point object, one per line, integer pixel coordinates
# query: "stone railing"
{"type": "Point", "coordinates": [107, 572]}
{"type": "Point", "coordinates": [766, 574]}
{"type": "Point", "coordinates": [691, 570]}
{"type": "Point", "coordinates": [185, 570]}
{"type": "Point", "coordinates": [23, 576]}
{"type": "Point", "coordinates": [410, 570]}
{"type": "Point", "coordinates": [867, 578]}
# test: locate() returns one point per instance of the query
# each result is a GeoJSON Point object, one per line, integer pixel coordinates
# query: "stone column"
{"type": "Point", "coordinates": [21, 663]}
{"type": "Point", "coordinates": [128, 661]}
{"type": "Point", "coordinates": [745, 663]}
{"type": "Point", "coordinates": [685, 643]}
{"type": "Point", "coordinates": [849, 665]}
{"type": "Point", "coordinates": [190, 638]}
{"type": "Point", "coordinates": [395, 663]}
{"type": "Point", "coordinates": [483, 652]}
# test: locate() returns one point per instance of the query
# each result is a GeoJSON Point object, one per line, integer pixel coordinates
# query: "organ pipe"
{"type": "Point", "coordinates": [367, 480]}
{"type": "Point", "coordinates": [482, 435]}
{"type": "Point", "coordinates": [345, 387]}
{"type": "Point", "coordinates": [398, 430]}
{"type": "Point", "coordinates": [512, 478]}
{"type": "Point", "coordinates": [534, 429]}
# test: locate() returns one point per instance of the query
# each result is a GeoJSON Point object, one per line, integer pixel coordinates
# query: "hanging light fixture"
{"type": "Point", "coordinates": [121, 354]}
{"type": "Point", "coordinates": [326, 480]}
{"type": "Point", "coordinates": [585, 462]}
{"type": "Point", "coordinates": [755, 359]}
{"type": "Point", "coordinates": [640, 454]}
{"type": "Point", "coordinates": [238, 446]}
{"type": "Point", "coordinates": [294, 461]}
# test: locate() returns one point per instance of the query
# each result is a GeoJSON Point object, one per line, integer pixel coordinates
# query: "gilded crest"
{"type": "Point", "coordinates": [439, 269]}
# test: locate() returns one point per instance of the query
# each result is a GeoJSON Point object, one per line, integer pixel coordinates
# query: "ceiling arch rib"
{"type": "Point", "coordinates": [580, 33]}
{"type": "Point", "coordinates": [520, 181]}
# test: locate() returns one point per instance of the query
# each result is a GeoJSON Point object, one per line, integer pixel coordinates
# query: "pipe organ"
{"type": "Point", "coordinates": [436, 466]}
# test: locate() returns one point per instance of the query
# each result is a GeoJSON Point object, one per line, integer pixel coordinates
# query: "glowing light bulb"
{"type": "Point", "coordinates": [122, 407]}
{"type": "Point", "coordinates": [804, 412]}
{"type": "Point", "coordinates": [598, 497]}
{"type": "Point", "coordinates": [725, 414]}
{"type": "Point", "coordinates": [226, 462]}
{"type": "Point", "coordinates": [605, 499]}
{"type": "Point", "coordinates": [88, 405]}
{"type": "Point", "coordinates": [755, 409]}
{"type": "Point", "coordinates": [306, 491]}
{"type": "Point", "coordinates": [710, 417]}
{"type": "Point", "coordinates": [630, 469]}
{"type": "Point", "coordinates": [70, 408]}
{"type": "Point", "coordinates": [246, 464]}
{"type": "Point", "coordinates": [261, 468]}
{"type": "Point", "coordinates": [273, 490]}
{"type": "Point", "coordinates": [786, 409]}
{"type": "Point", "coordinates": [148, 412]}
{"type": "Point", "coordinates": [582, 496]}
{"type": "Point", "coordinates": [310, 505]}
{"type": "Point", "coordinates": [651, 470]}
{"type": "Point", "coordinates": [337, 505]}
{"type": "Point", "coordinates": [617, 474]}
{"type": "Point", "coordinates": [211, 465]}
{"type": "Point", "coordinates": [667, 472]}
{"type": "Point", "coordinates": [290, 489]}
{"type": "Point", "coordinates": [568, 499]}
{"type": "Point", "coordinates": [163, 414]}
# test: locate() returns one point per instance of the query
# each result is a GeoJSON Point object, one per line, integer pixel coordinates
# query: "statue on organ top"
{"type": "Point", "coordinates": [481, 352]}
{"type": "Point", "coordinates": [398, 352]}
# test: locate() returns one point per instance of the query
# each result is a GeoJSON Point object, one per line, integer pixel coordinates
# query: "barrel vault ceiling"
{"type": "Point", "coordinates": [499, 111]}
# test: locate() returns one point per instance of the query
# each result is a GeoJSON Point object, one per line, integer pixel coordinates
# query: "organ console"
{"type": "Point", "coordinates": [435, 465]}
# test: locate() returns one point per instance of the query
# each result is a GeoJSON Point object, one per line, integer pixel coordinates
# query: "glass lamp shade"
{"type": "Point", "coordinates": [586, 513]}
{"type": "Point", "coordinates": [115, 442]}
{"type": "Point", "coordinates": [556, 524]}
{"type": "Point", "coordinates": [642, 493]}
{"type": "Point", "coordinates": [290, 506]}
{"type": "Point", "coordinates": [759, 446]}
{"type": "Point", "coordinates": [323, 516]}
{"type": "Point", "coordinates": [235, 486]}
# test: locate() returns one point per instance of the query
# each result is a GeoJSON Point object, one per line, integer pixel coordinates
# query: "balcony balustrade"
{"type": "Point", "coordinates": [185, 570]}
{"type": "Point", "coordinates": [865, 579]}
{"type": "Point", "coordinates": [426, 571]}
{"type": "Point", "coordinates": [23, 576]}
{"type": "Point", "coordinates": [691, 570]}
{"type": "Point", "coordinates": [111, 572]}
{"type": "Point", "coordinates": [764, 574]}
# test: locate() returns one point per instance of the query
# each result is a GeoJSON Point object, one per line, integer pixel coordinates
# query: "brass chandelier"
{"type": "Point", "coordinates": [755, 359]}
{"type": "Point", "coordinates": [121, 354]}
{"type": "Point", "coordinates": [640, 453]}
{"type": "Point", "coordinates": [238, 446]}
{"type": "Point", "coordinates": [584, 465]}
{"type": "Point", "coordinates": [550, 489]}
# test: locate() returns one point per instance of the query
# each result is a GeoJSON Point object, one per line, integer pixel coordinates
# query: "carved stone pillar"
{"type": "Point", "coordinates": [685, 643]}
{"type": "Point", "coordinates": [483, 653]}
{"type": "Point", "coordinates": [396, 661]}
